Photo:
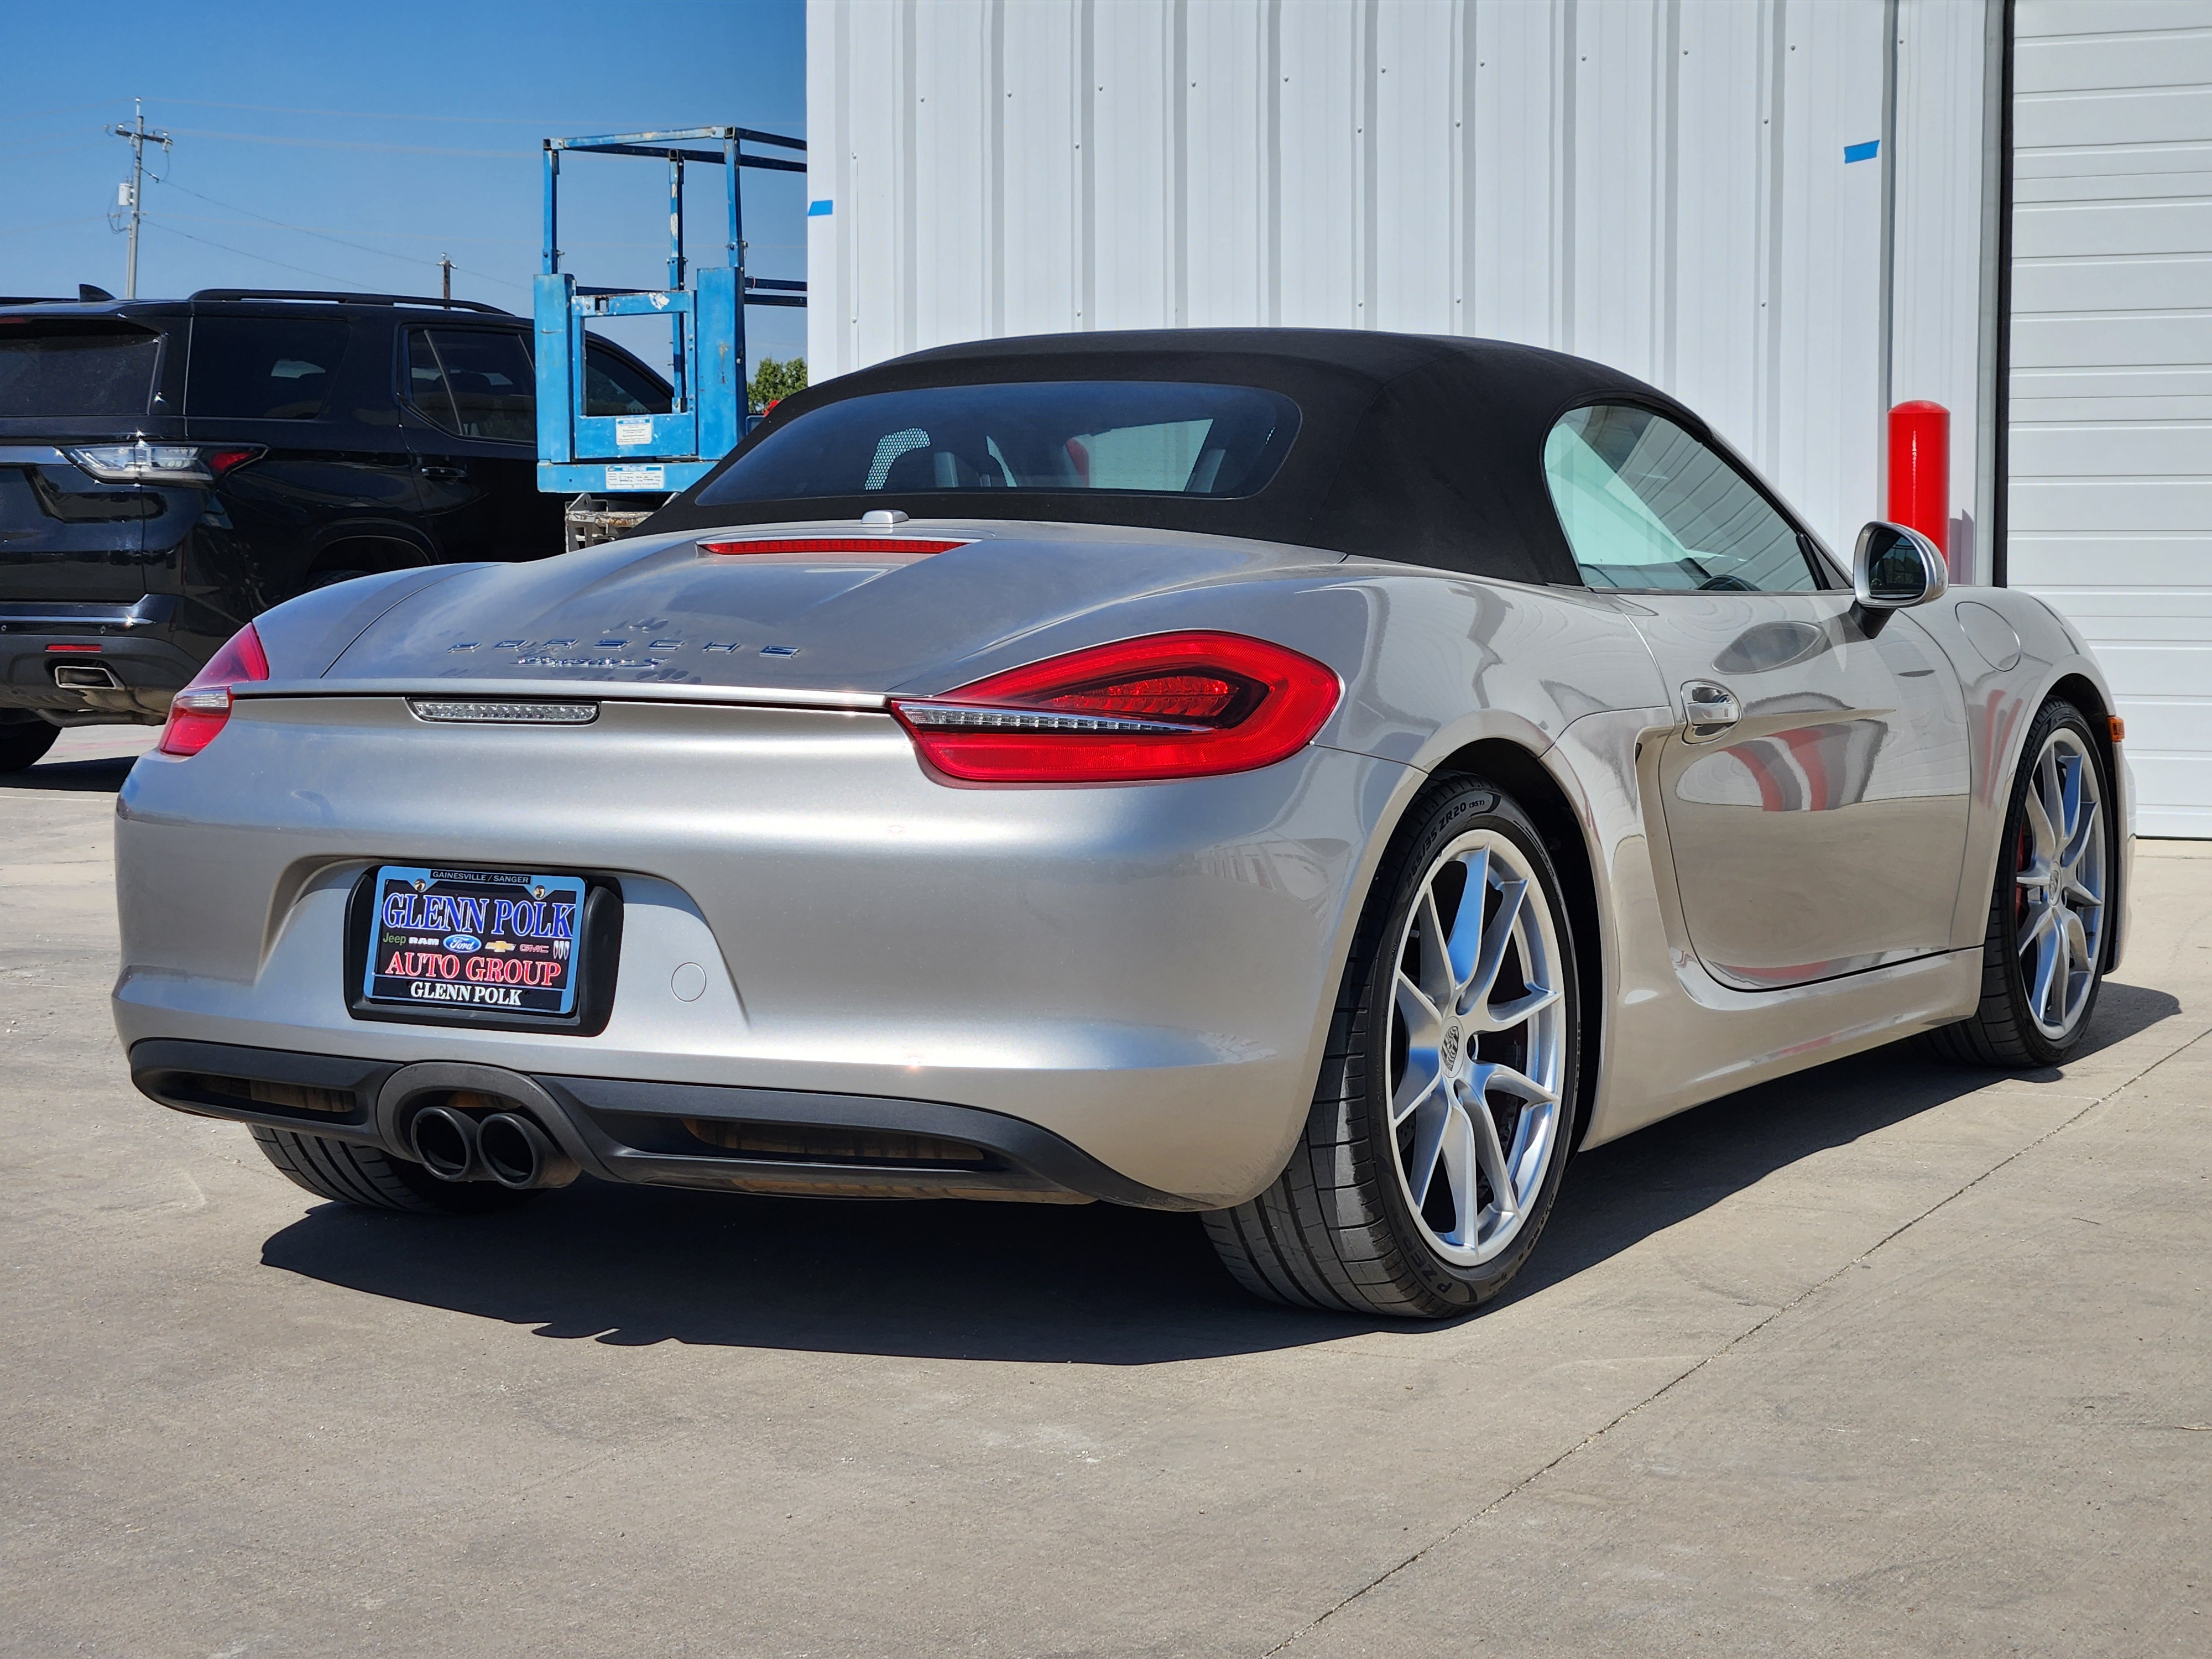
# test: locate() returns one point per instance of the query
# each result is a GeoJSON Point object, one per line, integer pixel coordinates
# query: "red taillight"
{"type": "Point", "coordinates": [1166, 706]}
{"type": "Point", "coordinates": [198, 712]}
{"type": "Point", "coordinates": [220, 461]}
{"type": "Point", "coordinates": [835, 544]}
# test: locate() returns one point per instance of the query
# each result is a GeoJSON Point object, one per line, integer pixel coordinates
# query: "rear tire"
{"type": "Point", "coordinates": [2027, 1019]}
{"type": "Point", "coordinates": [24, 744]}
{"type": "Point", "coordinates": [351, 1173]}
{"type": "Point", "coordinates": [1457, 1000]}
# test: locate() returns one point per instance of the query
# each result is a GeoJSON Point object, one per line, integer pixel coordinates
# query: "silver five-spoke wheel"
{"type": "Point", "coordinates": [2060, 869]}
{"type": "Point", "coordinates": [1478, 1048]}
{"type": "Point", "coordinates": [2054, 904]}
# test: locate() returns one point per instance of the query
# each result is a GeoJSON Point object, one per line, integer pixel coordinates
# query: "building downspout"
{"type": "Point", "coordinates": [1993, 416]}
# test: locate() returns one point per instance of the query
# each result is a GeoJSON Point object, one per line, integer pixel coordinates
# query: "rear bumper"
{"type": "Point", "coordinates": [1144, 972]}
{"type": "Point", "coordinates": [129, 648]}
{"type": "Point", "coordinates": [667, 1134]}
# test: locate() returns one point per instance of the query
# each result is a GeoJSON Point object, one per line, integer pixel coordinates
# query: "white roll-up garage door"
{"type": "Point", "coordinates": [2110, 515]}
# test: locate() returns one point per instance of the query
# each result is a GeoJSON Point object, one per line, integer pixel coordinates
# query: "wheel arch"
{"type": "Point", "coordinates": [1523, 775]}
{"type": "Point", "coordinates": [372, 552]}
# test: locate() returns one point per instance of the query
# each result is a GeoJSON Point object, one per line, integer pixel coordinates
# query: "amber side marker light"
{"type": "Point", "coordinates": [1183, 705]}
{"type": "Point", "coordinates": [2119, 727]}
{"type": "Point", "coordinates": [200, 711]}
{"type": "Point", "coordinates": [834, 544]}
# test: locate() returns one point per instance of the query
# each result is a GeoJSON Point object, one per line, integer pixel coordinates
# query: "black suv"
{"type": "Point", "coordinates": [170, 469]}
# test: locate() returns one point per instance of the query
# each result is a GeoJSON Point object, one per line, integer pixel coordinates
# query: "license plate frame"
{"type": "Point", "coordinates": [440, 926]}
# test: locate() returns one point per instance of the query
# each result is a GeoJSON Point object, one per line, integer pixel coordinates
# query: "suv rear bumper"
{"type": "Point", "coordinates": [128, 673]}
{"type": "Point", "coordinates": [670, 1134]}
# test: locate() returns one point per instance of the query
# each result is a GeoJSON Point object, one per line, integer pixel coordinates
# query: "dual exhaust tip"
{"type": "Point", "coordinates": [505, 1146]}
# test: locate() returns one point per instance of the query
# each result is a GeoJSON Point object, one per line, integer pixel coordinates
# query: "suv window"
{"type": "Point", "coordinates": [615, 385]}
{"type": "Point", "coordinates": [65, 366]}
{"type": "Point", "coordinates": [262, 368]}
{"type": "Point", "coordinates": [1645, 505]}
{"type": "Point", "coordinates": [474, 382]}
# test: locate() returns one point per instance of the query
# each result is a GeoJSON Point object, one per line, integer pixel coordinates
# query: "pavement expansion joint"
{"type": "Point", "coordinates": [1735, 1342]}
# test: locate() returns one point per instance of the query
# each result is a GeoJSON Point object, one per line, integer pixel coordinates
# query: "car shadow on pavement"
{"type": "Point", "coordinates": [1092, 1284]}
{"type": "Point", "coordinates": [1628, 1189]}
{"type": "Point", "coordinates": [102, 776]}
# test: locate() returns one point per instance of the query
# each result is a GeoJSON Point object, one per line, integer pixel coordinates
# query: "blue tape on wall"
{"type": "Point", "coordinates": [821, 209]}
{"type": "Point", "coordinates": [1865, 152]}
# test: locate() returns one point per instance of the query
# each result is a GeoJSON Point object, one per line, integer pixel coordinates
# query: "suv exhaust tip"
{"type": "Point", "coordinates": [86, 676]}
{"type": "Point", "coordinates": [515, 1153]}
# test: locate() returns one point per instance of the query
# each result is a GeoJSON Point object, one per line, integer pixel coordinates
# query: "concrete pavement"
{"type": "Point", "coordinates": [1887, 1358]}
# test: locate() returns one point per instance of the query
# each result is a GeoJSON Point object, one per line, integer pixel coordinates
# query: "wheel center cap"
{"type": "Point", "coordinates": [1451, 1047]}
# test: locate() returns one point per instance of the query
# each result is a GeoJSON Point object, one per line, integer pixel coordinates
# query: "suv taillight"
{"type": "Point", "coordinates": [1183, 705]}
{"type": "Point", "coordinates": [198, 712]}
{"type": "Point", "coordinates": [150, 463]}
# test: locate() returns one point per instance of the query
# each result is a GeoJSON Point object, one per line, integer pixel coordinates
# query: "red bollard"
{"type": "Point", "coordinates": [1920, 469]}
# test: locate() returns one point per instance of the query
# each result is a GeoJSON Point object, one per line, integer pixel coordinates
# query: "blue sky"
{"type": "Point", "coordinates": [387, 136]}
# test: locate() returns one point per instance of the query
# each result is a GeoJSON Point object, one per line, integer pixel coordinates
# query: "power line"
{"type": "Point", "coordinates": [203, 241]}
{"type": "Point", "coordinates": [66, 109]}
{"type": "Point", "coordinates": [348, 143]}
{"type": "Point", "coordinates": [51, 224]}
{"type": "Point", "coordinates": [63, 149]}
{"type": "Point", "coordinates": [382, 115]}
{"type": "Point", "coordinates": [358, 248]}
{"type": "Point", "coordinates": [419, 235]}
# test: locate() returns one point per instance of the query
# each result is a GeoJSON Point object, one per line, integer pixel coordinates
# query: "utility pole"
{"type": "Point", "coordinates": [131, 194]}
{"type": "Point", "coordinates": [446, 277]}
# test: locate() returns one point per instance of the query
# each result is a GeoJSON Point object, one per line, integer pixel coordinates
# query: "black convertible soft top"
{"type": "Point", "coordinates": [1426, 449]}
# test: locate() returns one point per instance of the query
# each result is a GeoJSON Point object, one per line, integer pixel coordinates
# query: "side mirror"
{"type": "Point", "coordinates": [1892, 569]}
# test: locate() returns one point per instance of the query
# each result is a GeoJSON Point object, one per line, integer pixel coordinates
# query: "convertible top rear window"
{"type": "Point", "coordinates": [1424, 450]}
{"type": "Point", "coordinates": [1149, 437]}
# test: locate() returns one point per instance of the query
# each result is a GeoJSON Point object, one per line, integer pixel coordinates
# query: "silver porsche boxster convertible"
{"type": "Point", "coordinates": [1319, 779]}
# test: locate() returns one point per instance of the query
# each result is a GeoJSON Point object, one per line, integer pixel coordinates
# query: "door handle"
{"type": "Point", "coordinates": [1709, 709]}
{"type": "Point", "coordinates": [445, 472]}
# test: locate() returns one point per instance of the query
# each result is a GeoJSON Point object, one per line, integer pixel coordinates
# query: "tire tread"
{"type": "Point", "coordinates": [1319, 1236]}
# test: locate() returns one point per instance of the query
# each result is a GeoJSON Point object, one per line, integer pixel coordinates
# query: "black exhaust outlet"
{"type": "Point", "coordinates": [515, 1153]}
{"type": "Point", "coordinates": [444, 1142]}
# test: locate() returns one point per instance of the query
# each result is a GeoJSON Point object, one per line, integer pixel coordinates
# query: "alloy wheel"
{"type": "Point", "coordinates": [1478, 1048]}
{"type": "Point", "coordinates": [2062, 874]}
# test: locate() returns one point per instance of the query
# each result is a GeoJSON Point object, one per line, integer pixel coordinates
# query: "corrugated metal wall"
{"type": "Point", "coordinates": [1660, 184]}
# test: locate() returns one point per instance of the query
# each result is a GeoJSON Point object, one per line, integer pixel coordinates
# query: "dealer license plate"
{"type": "Point", "coordinates": [474, 939]}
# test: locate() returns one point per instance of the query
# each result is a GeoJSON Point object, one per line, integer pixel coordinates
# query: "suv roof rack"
{"type": "Point", "coordinates": [212, 294]}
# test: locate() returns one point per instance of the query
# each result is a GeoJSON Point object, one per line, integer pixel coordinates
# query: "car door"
{"type": "Point", "coordinates": [305, 396]}
{"type": "Point", "coordinates": [473, 394]}
{"type": "Point", "coordinates": [1816, 794]}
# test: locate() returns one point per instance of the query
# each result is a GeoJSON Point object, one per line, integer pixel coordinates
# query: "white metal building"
{"type": "Point", "coordinates": [1792, 214]}
{"type": "Point", "coordinates": [2111, 460]}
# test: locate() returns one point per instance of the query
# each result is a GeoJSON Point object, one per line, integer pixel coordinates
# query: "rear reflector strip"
{"type": "Point", "coordinates": [968, 717]}
{"type": "Point", "coordinates": [504, 714]}
{"type": "Point", "coordinates": [835, 544]}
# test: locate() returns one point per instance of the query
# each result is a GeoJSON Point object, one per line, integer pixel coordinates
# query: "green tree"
{"type": "Point", "coordinates": [774, 380]}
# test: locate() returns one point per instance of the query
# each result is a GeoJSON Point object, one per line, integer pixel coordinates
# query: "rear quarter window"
{"type": "Point", "coordinates": [262, 368]}
{"type": "Point", "coordinates": [62, 367]}
{"type": "Point", "coordinates": [473, 382]}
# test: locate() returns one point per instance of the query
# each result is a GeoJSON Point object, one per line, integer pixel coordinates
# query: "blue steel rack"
{"type": "Point", "coordinates": [580, 454]}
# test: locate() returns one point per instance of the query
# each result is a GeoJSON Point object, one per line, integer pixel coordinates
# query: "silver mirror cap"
{"type": "Point", "coordinates": [1876, 555]}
